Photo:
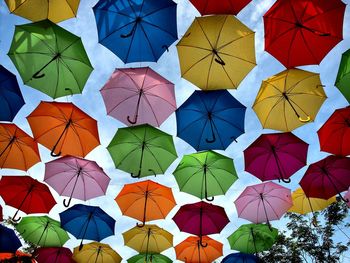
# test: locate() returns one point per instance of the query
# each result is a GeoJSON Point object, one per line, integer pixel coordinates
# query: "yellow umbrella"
{"type": "Point", "coordinates": [289, 99]}
{"type": "Point", "coordinates": [216, 52]}
{"type": "Point", "coordinates": [95, 252]}
{"type": "Point", "coordinates": [36, 10]}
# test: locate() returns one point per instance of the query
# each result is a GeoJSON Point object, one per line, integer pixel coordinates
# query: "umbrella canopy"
{"type": "Point", "coordinates": [205, 174]}
{"type": "Point", "coordinates": [11, 99]}
{"type": "Point", "coordinates": [302, 32]}
{"type": "Point", "coordinates": [76, 177]}
{"type": "Point", "coordinates": [289, 99]}
{"type": "Point", "coordinates": [145, 201]}
{"type": "Point", "coordinates": [54, 56]}
{"type": "Point", "coordinates": [95, 252]}
{"type": "Point", "coordinates": [26, 194]}
{"type": "Point", "coordinates": [210, 120]}
{"type": "Point", "coordinates": [17, 149]}
{"type": "Point", "coordinates": [343, 77]}
{"type": "Point", "coordinates": [211, 7]}
{"type": "Point", "coordinates": [150, 258]}
{"type": "Point", "coordinates": [335, 133]}
{"type": "Point", "coordinates": [9, 241]}
{"type": "Point", "coordinates": [240, 258]}
{"type": "Point", "coordinates": [42, 231]}
{"type": "Point", "coordinates": [191, 251]}
{"type": "Point", "coordinates": [64, 128]}
{"type": "Point", "coordinates": [136, 30]}
{"type": "Point", "coordinates": [138, 96]}
{"type": "Point", "coordinates": [53, 255]}
{"type": "Point", "coordinates": [142, 150]}
{"type": "Point", "coordinates": [275, 156]}
{"type": "Point", "coordinates": [216, 52]}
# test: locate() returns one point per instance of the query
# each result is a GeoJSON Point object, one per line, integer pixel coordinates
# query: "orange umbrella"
{"type": "Point", "coordinates": [19, 256]}
{"type": "Point", "coordinates": [145, 201]}
{"type": "Point", "coordinates": [190, 250]}
{"type": "Point", "coordinates": [64, 128]}
{"type": "Point", "coordinates": [17, 149]}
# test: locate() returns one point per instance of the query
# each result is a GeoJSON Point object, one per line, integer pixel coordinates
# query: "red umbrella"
{"type": "Point", "coordinates": [26, 194]}
{"type": "Point", "coordinates": [53, 255]}
{"type": "Point", "coordinates": [214, 7]}
{"type": "Point", "coordinates": [302, 32]}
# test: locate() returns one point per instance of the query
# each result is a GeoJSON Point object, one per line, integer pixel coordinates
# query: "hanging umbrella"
{"type": "Point", "coordinates": [145, 201]}
{"type": "Point", "coordinates": [53, 255]}
{"type": "Point", "coordinates": [211, 7]}
{"type": "Point", "coordinates": [191, 251]}
{"type": "Point", "coordinates": [205, 174]}
{"type": "Point", "coordinates": [17, 149]}
{"type": "Point", "coordinates": [142, 150]}
{"type": "Point", "coordinates": [343, 77]}
{"type": "Point", "coordinates": [302, 32]}
{"type": "Point", "coordinates": [138, 96]}
{"type": "Point", "coordinates": [9, 241]}
{"type": "Point", "coordinates": [17, 257]}
{"type": "Point", "coordinates": [50, 58]}
{"type": "Point", "coordinates": [26, 194]}
{"type": "Point", "coordinates": [275, 156]}
{"type": "Point", "coordinates": [76, 177]}
{"type": "Point", "coordinates": [150, 258]}
{"type": "Point", "coordinates": [210, 120]}
{"type": "Point", "coordinates": [201, 219]}
{"type": "Point", "coordinates": [289, 99]}
{"type": "Point", "coordinates": [64, 128]}
{"type": "Point", "coordinates": [42, 231]}
{"type": "Point", "coordinates": [87, 222]}
{"type": "Point", "coordinates": [240, 258]}
{"type": "Point", "coordinates": [136, 31]}
{"type": "Point", "coordinates": [216, 52]}
{"type": "Point", "coordinates": [95, 252]}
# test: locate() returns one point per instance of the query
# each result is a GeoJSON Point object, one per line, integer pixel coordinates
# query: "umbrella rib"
{"type": "Point", "coordinates": [70, 7]}
{"type": "Point", "coordinates": [115, 12]}
{"type": "Point", "coordinates": [220, 31]}
{"type": "Point", "coordinates": [197, 47]}
{"type": "Point", "coordinates": [298, 82]}
{"type": "Point", "coordinates": [209, 69]}
{"type": "Point", "coordinates": [146, 22]}
{"type": "Point", "coordinates": [75, 59]}
{"type": "Point", "coordinates": [116, 30]}
{"type": "Point", "coordinates": [154, 95]}
{"type": "Point", "coordinates": [127, 155]}
{"type": "Point", "coordinates": [154, 114]}
{"type": "Point", "coordinates": [148, 40]}
{"type": "Point", "coordinates": [74, 77]}
{"type": "Point", "coordinates": [222, 144]}
{"type": "Point", "coordinates": [206, 56]}
{"type": "Point", "coordinates": [322, 13]}
{"type": "Point", "coordinates": [45, 43]}
{"type": "Point", "coordinates": [216, 179]}
{"type": "Point", "coordinates": [231, 124]}
{"type": "Point", "coordinates": [155, 159]}
{"type": "Point", "coordinates": [157, 10]}
{"type": "Point", "coordinates": [234, 40]}
{"type": "Point", "coordinates": [205, 34]}
{"type": "Point", "coordinates": [230, 55]}
{"type": "Point", "coordinates": [20, 148]}
{"type": "Point", "coordinates": [123, 101]}
{"type": "Point", "coordinates": [19, 6]}
{"type": "Point", "coordinates": [229, 77]}
{"type": "Point", "coordinates": [272, 108]}
{"type": "Point", "coordinates": [190, 124]}
{"type": "Point", "coordinates": [271, 208]}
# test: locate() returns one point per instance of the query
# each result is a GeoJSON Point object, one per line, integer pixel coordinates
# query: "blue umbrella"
{"type": "Point", "coordinates": [136, 30]}
{"type": "Point", "coordinates": [89, 222]}
{"type": "Point", "coordinates": [240, 258]}
{"type": "Point", "coordinates": [11, 100]}
{"type": "Point", "coordinates": [9, 242]}
{"type": "Point", "coordinates": [210, 120]}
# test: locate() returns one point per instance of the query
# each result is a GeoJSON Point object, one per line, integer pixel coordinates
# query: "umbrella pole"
{"type": "Point", "coordinates": [46, 226]}
{"type": "Point", "coordinates": [140, 167]}
{"type": "Point", "coordinates": [199, 250]}
{"type": "Point", "coordinates": [75, 184]}
{"type": "Point", "coordinates": [278, 166]}
{"type": "Point", "coordinates": [37, 74]}
{"type": "Point", "coordinates": [213, 139]}
{"type": "Point", "coordinates": [201, 228]}
{"type": "Point", "coordinates": [98, 253]}
{"type": "Point", "coordinates": [57, 254]}
{"type": "Point", "coordinates": [335, 187]}
{"type": "Point", "coordinates": [87, 225]}
{"type": "Point", "coordinates": [314, 220]}
{"type": "Point", "coordinates": [267, 218]}
{"type": "Point", "coordinates": [24, 199]}
{"type": "Point", "coordinates": [206, 184]}
{"type": "Point", "coordinates": [137, 109]}
{"type": "Point", "coordinates": [218, 59]}
{"type": "Point", "coordinates": [148, 237]}
{"type": "Point", "coordinates": [295, 111]}
{"type": "Point", "coordinates": [144, 211]}
{"type": "Point", "coordinates": [8, 145]}
{"type": "Point", "coordinates": [312, 30]}
{"type": "Point", "coordinates": [63, 132]}
{"type": "Point", "coordinates": [254, 242]}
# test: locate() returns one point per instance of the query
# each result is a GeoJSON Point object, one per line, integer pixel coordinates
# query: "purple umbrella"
{"type": "Point", "coordinates": [53, 255]}
{"type": "Point", "coordinates": [76, 177]}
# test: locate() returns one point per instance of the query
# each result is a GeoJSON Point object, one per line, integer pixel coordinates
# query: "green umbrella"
{"type": "Point", "coordinates": [42, 231]}
{"type": "Point", "coordinates": [205, 174]}
{"type": "Point", "coordinates": [151, 258]}
{"type": "Point", "coordinates": [142, 150]}
{"type": "Point", "coordinates": [343, 78]}
{"type": "Point", "coordinates": [50, 59]}
{"type": "Point", "coordinates": [253, 238]}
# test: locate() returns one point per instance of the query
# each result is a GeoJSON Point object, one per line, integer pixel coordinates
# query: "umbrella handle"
{"type": "Point", "coordinates": [304, 120]}
{"type": "Point", "coordinates": [38, 75]}
{"type": "Point", "coordinates": [210, 199]}
{"type": "Point", "coordinates": [203, 244]}
{"type": "Point", "coordinates": [81, 245]}
{"type": "Point", "coordinates": [136, 176]}
{"type": "Point", "coordinates": [140, 225]}
{"type": "Point", "coordinates": [67, 204]}
{"type": "Point", "coordinates": [210, 140]}
{"type": "Point", "coordinates": [53, 154]}
{"type": "Point", "coordinates": [287, 181]}
{"type": "Point", "coordinates": [132, 121]}
{"type": "Point", "coordinates": [151, 170]}
{"type": "Point", "coordinates": [166, 47]}
{"type": "Point", "coordinates": [221, 62]}
{"type": "Point", "coordinates": [16, 219]}
{"type": "Point", "coordinates": [343, 199]}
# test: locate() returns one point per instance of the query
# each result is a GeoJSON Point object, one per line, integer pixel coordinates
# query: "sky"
{"type": "Point", "coordinates": [105, 62]}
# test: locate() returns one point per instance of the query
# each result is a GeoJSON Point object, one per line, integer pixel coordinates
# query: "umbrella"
{"type": "Point", "coordinates": [216, 52]}
{"type": "Point", "coordinates": [302, 32]}
{"type": "Point", "coordinates": [55, 10]}
{"type": "Point", "coordinates": [275, 156]}
{"type": "Point", "coordinates": [64, 128]}
{"type": "Point", "coordinates": [253, 238]}
{"type": "Point", "coordinates": [136, 30]}
{"type": "Point", "coordinates": [201, 219]}
{"type": "Point", "coordinates": [50, 58]}
{"type": "Point", "coordinates": [138, 96]}
{"type": "Point", "coordinates": [191, 251]}
{"type": "Point", "coordinates": [210, 120]}
{"type": "Point", "coordinates": [26, 194]}
{"type": "Point", "coordinates": [9, 241]}
{"type": "Point", "coordinates": [263, 202]}
{"type": "Point", "coordinates": [53, 255]}
{"type": "Point", "coordinates": [335, 133]}
{"type": "Point", "coordinates": [142, 150]}
{"type": "Point", "coordinates": [76, 177]}
{"type": "Point", "coordinates": [150, 258]}
{"type": "Point", "coordinates": [95, 252]}
{"type": "Point", "coordinates": [343, 77]}
{"type": "Point", "coordinates": [205, 174]}
{"type": "Point", "coordinates": [42, 231]}
{"type": "Point", "coordinates": [289, 99]}
{"type": "Point", "coordinates": [17, 149]}
{"type": "Point", "coordinates": [145, 201]}
{"type": "Point", "coordinates": [240, 258]}
{"type": "Point", "coordinates": [87, 222]}
{"type": "Point", "coordinates": [11, 99]}
{"type": "Point", "coordinates": [17, 257]}
{"type": "Point", "coordinates": [211, 7]}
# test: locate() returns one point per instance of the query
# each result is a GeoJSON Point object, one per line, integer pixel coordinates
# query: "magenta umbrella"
{"type": "Point", "coordinates": [53, 255]}
{"type": "Point", "coordinates": [201, 219]}
{"type": "Point", "coordinates": [76, 177]}
{"type": "Point", "coordinates": [139, 96]}
{"type": "Point", "coordinates": [275, 156]}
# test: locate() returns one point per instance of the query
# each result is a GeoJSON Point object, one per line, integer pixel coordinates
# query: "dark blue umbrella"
{"type": "Point", "coordinates": [210, 120]}
{"type": "Point", "coordinates": [11, 100]}
{"type": "Point", "coordinates": [240, 258]}
{"type": "Point", "coordinates": [136, 30]}
{"type": "Point", "coordinates": [9, 242]}
{"type": "Point", "coordinates": [87, 222]}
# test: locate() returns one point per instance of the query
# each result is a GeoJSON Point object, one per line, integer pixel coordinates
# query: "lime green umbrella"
{"type": "Point", "coordinates": [253, 238]}
{"type": "Point", "coordinates": [50, 59]}
{"type": "Point", "coordinates": [205, 174]}
{"type": "Point", "coordinates": [343, 78]}
{"type": "Point", "coordinates": [42, 231]}
{"type": "Point", "coordinates": [142, 150]}
{"type": "Point", "coordinates": [150, 258]}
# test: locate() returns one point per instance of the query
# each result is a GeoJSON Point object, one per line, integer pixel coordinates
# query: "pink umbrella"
{"type": "Point", "coordinates": [76, 177]}
{"type": "Point", "coordinates": [138, 96]}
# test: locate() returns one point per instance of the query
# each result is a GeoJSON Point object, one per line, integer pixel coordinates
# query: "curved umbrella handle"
{"type": "Point", "coordinates": [136, 176]}
{"type": "Point", "coordinates": [343, 199]}
{"type": "Point", "coordinates": [38, 75]}
{"type": "Point", "coordinates": [201, 242]}
{"type": "Point", "coordinates": [210, 140]}
{"type": "Point", "coordinates": [67, 204]}
{"type": "Point", "coordinates": [287, 181]}
{"type": "Point", "coordinates": [304, 120]}
{"type": "Point", "coordinates": [220, 61]}
{"type": "Point", "coordinates": [16, 219]}
{"type": "Point", "coordinates": [210, 199]}
{"type": "Point", "coordinates": [141, 225]}
{"type": "Point", "coordinates": [132, 121]}
{"type": "Point", "coordinates": [53, 154]}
